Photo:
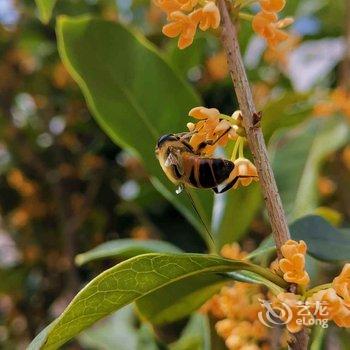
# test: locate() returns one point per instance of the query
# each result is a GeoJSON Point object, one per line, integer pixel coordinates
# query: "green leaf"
{"type": "Point", "coordinates": [45, 8]}
{"type": "Point", "coordinates": [179, 299]}
{"type": "Point", "coordinates": [196, 335]}
{"type": "Point", "coordinates": [128, 282]}
{"type": "Point", "coordinates": [324, 241]}
{"type": "Point", "coordinates": [297, 156]}
{"type": "Point", "coordinates": [251, 277]}
{"type": "Point", "coordinates": [286, 111]}
{"type": "Point", "coordinates": [134, 95]}
{"type": "Point", "coordinates": [240, 209]}
{"type": "Point", "coordinates": [192, 57]}
{"type": "Point", "coordinates": [125, 248]}
{"type": "Point", "coordinates": [117, 332]}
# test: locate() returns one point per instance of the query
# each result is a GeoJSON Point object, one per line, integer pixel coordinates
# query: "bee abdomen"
{"type": "Point", "coordinates": [208, 172]}
{"type": "Point", "coordinates": [222, 169]}
{"type": "Point", "coordinates": [206, 175]}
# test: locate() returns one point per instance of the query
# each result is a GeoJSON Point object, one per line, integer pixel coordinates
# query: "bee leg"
{"type": "Point", "coordinates": [229, 185]}
{"type": "Point", "coordinates": [204, 144]}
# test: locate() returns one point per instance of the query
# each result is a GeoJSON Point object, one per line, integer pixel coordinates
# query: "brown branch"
{"type": "Point", "coordinates": [254, 134]}
{"type": "Point", "coordinates": [251, 119]}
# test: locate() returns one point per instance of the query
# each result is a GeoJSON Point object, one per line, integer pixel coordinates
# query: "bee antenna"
{"type": "Point", "coordinates": [199, 215]}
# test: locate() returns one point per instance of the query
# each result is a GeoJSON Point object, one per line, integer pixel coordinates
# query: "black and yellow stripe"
{"type": "Point", "coordinates": [208, 172]}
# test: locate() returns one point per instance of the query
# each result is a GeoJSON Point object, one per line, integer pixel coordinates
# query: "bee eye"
{"type": "Point", "coordinates": [164, 138]}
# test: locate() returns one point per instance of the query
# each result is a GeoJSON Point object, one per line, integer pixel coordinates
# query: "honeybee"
{"type": "Point", "coordinates": [185, 166]}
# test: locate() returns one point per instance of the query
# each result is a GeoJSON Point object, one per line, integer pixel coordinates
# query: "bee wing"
{"type": "Point", "coordinates": [175, 160]}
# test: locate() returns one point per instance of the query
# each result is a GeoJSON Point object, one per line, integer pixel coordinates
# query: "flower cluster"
{"type": "Point", "coordinates": [326, 304]}
{"type": "Point", "coordinates": [338, 101]}
{"type": "Point", "coordinates": [211, 127]}
{"type": "Point", "coordinates": [280, 54]}
{"type": "Point", "coordinates": [293, 263]}
{"type": "Point", "coordinates": [237, 307]}
{"type": "Point", "coordinates": [337, 298]}
{"type": "Point", "coordinates": [185, 16]}
{"type": "Point", "coordinates": [215, 129]}
{"type": "Point", "coordinates": [329, 303]}
{"type": "Point", "coordinates": [267, 24]}
{"type": "Point", "coordinates": [242, 312]}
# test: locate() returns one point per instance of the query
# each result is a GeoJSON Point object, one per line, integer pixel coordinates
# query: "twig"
{"type": "Point", "coordinates": [254, 134]}
{"type": "Point", "coordinates": [251, 119]}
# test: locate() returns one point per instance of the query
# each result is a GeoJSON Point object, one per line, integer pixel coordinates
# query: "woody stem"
{"type": "Point", "coordinates": [251, 120]}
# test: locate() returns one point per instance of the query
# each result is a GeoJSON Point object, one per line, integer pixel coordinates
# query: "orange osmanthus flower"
{"type": "Point", "coordinates": [233, 251]}
{"type": "Point", "coordinates": [327, 298]}
{"type": "Point", "coordinates": [204, 113]}
{"type": "Point", "coordinates": [272, 5]}
{"type": "Point", "coordinates": [290, 248]}
{"type": "Point", "coordinates": [207, 17]}
{"type": "Point", "coordinates": [244, 167]}
{"type": "Point", "coordinates": [341, 284]}
{"type": "Point", "coordinates": [168, 6]}
{"type": "Point", "coordinates": [293, 263]}
{"type": "Point", "coordinates": [334, 307]}
{"type": "Point", "coordinates": [210, 127]}
{"type": "Point", "coordinates": [280, 54]}
{"type": "Point", "coordinates": [183, 26]}
{"type": "Point", "coordinates": [217, 66]}
{"type": "Point", "coordinates": [290, 303]}
{"type": "Point", "coordinates": [268, 26]}
{"type": "Point", "coordinates": [338, 101]}
{"type": "Point", "coordinates": [187, 5]}
{"type": "Point", "coordinates": [204, 14]}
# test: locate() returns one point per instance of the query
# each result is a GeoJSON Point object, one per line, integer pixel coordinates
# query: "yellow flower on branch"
{"type": "Point", "coordinates": [206, 15]}
{"type": "Point", "coordinates": [341, 284]}
{"type": "Point", "coordinates": [329, 299]}
{"type": "Point", "coordinates": [168, 6]}
{"type": "Point", "coordinates": [244, 167]}
{"type": "Point", "coordinates": [210, 127]}
{"type": "Point", "coordinates": [182, 26]}
{"type": "Point", "coordinates": [293, 263]}
{"type": "Point", "coordinates": [233, 251]}
{"type": "Point", "coordinates": [272, 5]}
{"type": "Point", "coordinates": [187, 5]}
{"type": "Point", "coordinates": [268, 26]}
{"type": "Point", "coordinates": [338, 101]}
{"type": "Point", "coordinates": [290, 303]}
{"type": "Point", "coordinates": [204, 113]}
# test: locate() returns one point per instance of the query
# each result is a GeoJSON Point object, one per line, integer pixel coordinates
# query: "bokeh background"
{"type": "Point", "coordinates": [65, 187]}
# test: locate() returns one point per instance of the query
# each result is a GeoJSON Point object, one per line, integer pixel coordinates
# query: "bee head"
{"type": "Point", "coordinates": [163, 140]}
{"type": "Point", "coordinates": [166, 138]}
